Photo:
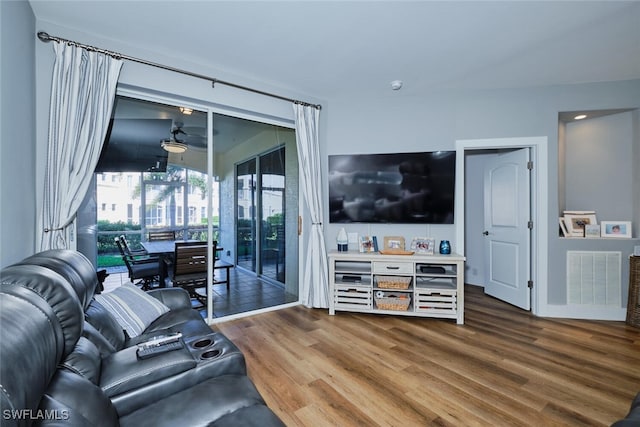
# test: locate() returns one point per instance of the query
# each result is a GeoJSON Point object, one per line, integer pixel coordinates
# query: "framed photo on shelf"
{"type": "Point", "coordinates": [575, 223]}
{"type": "Point", "coordinates": [394, 243]}
{"type": "Point", "coordinates": [620, 229]}
{"type": "Point", "coordinates": [423, 245]}
{"type": "Point", "coordinates": [563, 228]}
{"type": "Point", "coordinates": [368, 244]}
{"type": "Point", "coordinates": [592, 231]}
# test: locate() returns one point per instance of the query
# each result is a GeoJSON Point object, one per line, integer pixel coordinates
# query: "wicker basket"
{"type": "Point", "coordinates": [393, 303]}
{"type": "Point", "coordinates": [393, 282]}
{"type": "Point", "coordinates": [633, 304]}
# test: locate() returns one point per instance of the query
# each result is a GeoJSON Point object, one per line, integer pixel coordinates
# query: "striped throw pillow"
{"type": "Point", "coordinates": [132, 308]}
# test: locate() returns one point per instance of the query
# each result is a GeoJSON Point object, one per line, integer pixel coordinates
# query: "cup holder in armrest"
{"type": "Point", "coordinates": [202, 343]}
{"type": "Point", "coordinates": [210, 354]}
{"type": "Point", "coordinates": [209, 349]}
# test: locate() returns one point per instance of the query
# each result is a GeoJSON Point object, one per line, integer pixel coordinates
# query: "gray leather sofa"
{"type": "Point", "coordinates": [633, 417]}
{"type": "Point", "coordinates": [65, 361]}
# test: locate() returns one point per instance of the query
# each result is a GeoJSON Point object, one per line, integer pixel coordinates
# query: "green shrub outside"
{"type": "Point", "coordinates": [108, 252]}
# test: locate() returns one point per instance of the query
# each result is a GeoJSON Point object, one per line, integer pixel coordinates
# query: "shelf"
{"type": "Point", "coordinates": [596, 238]}
{"type": "Point", "coordinates": [435, 283]}
{"type": "Point", "coordinates": [353, 278]}
{"type": "Point", "coordinates": [435, 276]}
{"type": "Point", "coordinates": [353, 267]}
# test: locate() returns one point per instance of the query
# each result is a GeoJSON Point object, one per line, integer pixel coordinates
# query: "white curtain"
{"type": "Point", "coordinates": [314, 289]}
{"type": "Point", "coordinates": [82, 96]}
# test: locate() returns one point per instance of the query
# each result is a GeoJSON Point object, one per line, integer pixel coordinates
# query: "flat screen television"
{"type": "Point", "coordinates": [397, 188]}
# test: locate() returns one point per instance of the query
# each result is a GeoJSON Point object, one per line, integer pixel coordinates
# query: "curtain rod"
{"type": "Point", "coordinates": [45, 37]}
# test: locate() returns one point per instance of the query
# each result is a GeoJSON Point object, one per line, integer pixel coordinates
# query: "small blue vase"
{"type": "Point", "coordinates": [445, 247]}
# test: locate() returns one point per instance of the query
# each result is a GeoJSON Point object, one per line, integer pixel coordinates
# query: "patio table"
{"type": "Point", "coordinates": [164, 249]}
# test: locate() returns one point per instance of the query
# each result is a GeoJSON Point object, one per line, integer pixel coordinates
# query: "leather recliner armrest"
{"type": "Point", "coordinates": [123, 371]}
{"type": "Point", "coordinates": [174, 298]}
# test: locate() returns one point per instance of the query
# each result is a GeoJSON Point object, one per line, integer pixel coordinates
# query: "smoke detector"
{"type": "Point", "coordinates": [396, 84]}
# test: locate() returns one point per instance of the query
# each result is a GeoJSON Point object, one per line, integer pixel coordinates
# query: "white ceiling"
{"type": "Point", "coordinates": [329, 49]}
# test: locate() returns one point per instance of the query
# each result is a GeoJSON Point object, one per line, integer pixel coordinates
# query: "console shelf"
{"type": "Point", "coordinates": [406, 285]}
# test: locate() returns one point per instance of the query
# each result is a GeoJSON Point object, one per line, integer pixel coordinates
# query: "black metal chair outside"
{"type": "Point", "coordinates": [129, 250]}
{"type": "Point", "coordinates": [146, 271]}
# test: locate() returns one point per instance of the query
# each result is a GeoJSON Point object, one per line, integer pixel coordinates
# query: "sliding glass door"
{"type": "Point", "coordinates": [260, 200]}
{"type": "Point", "coordinates": [250, 208]}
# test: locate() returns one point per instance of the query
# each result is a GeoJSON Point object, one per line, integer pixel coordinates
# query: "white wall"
{"type": "Point", "coordinates": [599, 166]}
{"type": "Point", "coordinates": [17, 135]}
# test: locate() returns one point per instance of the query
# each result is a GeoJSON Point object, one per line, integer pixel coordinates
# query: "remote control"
{"type": "Point", "coordinates": [162, 340]}
{"type": "Point", "coordinates": [145, 352]}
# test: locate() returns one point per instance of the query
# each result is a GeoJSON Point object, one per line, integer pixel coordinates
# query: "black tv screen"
{"type": "Point", "coordinates": [401, 188]}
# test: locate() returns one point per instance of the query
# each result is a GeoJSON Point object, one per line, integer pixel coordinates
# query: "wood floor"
{"type": "Point", "coordinates": [503, 367]}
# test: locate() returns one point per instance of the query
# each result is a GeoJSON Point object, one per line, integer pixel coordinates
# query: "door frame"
{"type": "Point", "coordinates": [539, 205]}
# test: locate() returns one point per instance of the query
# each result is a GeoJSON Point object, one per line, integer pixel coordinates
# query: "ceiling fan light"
{"type": "Point", "coordinates": [173, 146]}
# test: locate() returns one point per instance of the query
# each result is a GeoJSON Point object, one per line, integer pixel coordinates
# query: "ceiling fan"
{"type": "Point", "coordinates": [173, 144]}
{"type": "Point", "coordinates": [180, 144]}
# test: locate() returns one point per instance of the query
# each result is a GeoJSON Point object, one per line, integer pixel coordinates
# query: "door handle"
{"type": "Point", "coordinates": [485, 233]}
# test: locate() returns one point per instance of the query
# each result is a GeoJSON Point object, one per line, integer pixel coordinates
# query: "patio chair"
{"type": "Point", "coordinates": [146, 270]}
{"type": "Point", "coordinates": [190, 268]}
{"type": "Point", "coordinates": [133, 252]}
{"type": "Point", "coordinates": [161, 235]}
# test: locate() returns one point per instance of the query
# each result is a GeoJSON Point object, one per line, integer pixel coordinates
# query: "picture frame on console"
{"type": "Point", "coordinates": [394, 243]}
{"type": "Point", "coordinates": [423, 245]}
{"type": "Point", "coordinates": [367, 244]}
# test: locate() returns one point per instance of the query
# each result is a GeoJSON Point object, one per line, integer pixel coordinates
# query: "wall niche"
{"type": "Point", "coordinates": [597, 161]}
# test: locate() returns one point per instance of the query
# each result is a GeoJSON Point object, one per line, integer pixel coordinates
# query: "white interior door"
{"type": "Point", "coordinates": [507, 212]}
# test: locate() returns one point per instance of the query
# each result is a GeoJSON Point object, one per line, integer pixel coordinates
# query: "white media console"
{"type": "Point", "coordinates": [407, 285]}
